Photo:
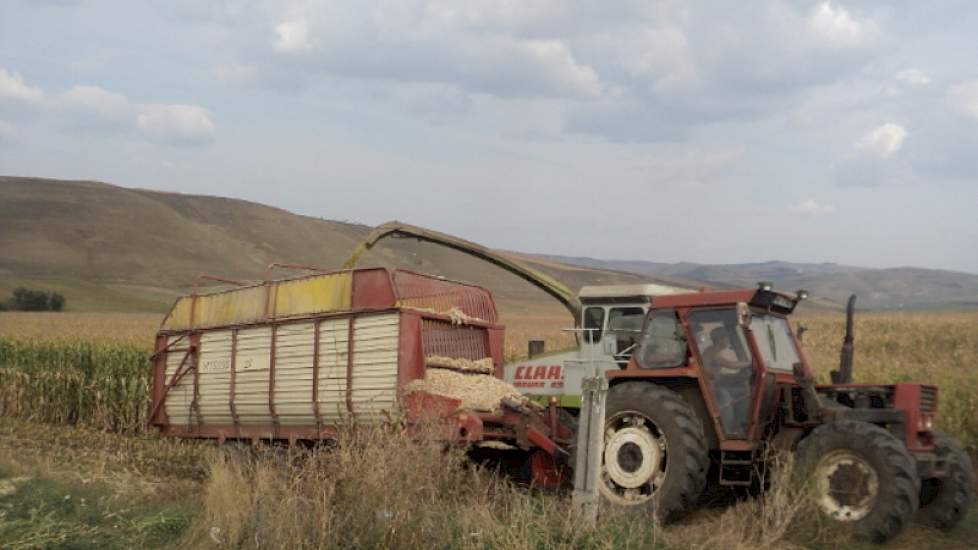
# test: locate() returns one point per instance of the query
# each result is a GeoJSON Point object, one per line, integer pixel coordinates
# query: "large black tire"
{"type": "Point", "coordinates": [655, 455]}
{"type": "Point", "coordinates": [944, 502]}
{"type": "Point", "coordinates": [863, 477]}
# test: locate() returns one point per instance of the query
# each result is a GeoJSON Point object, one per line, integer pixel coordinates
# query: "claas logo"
{"type": "Point", "coordinates": [539, 372]}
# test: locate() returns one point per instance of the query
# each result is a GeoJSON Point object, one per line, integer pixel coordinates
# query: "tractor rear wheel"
{"type": "Point", "coordinates": [863, 477]}
{"type": "Point", "coordinates": [655, 456]}
{"type": "Point", "coordinates": [944, 502]}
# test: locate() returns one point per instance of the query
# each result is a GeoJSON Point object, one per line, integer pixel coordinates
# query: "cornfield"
{"type": "Point", "coordinates": [75, 382]}
{"type": "Point", "coordinates": [79, 370]}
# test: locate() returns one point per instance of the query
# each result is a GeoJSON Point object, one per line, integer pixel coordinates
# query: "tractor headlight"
{"type": "Point", "coordinates": [765, 286]}
{"type": "Point", "coordinates": [802, 294]}
{"type": "Point", "coordinates": [926, 423]}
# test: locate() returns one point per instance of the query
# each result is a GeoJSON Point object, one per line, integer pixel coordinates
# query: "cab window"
{"type": "Point", "coordinates": [593, 324]}
{"type": "Point", "coordinates": [625, 326]}
{"type": "Point", "coordinates": [774, 342]}
{"type": "Point", "coordinates": [663, 345]}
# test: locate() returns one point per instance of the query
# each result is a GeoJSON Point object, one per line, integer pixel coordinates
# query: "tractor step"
{"type": "Point", "coordinates": [737, 468]}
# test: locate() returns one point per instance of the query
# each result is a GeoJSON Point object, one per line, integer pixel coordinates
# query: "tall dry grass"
{"type": "Point", "coordinates": [383, 489]}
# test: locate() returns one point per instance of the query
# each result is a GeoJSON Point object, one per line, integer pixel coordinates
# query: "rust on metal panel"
{"type": "Point", "coordinates": [446, 339]}
{"type": "Point", "coordinates": [695, 299]}
{"type": "Point", "coordinates": [315, 374]}
{"type": "Point", "coordinates": [372, 289]}
{"type": "Point", "coordinates": [158, 379]}
{"type": "Point", "coordinates": [195, 404]}
{"type": "Point", "coordinates": [234, 365]}
{"type": "Point", "coordinates": [349, 365]}
{"type": "Point", "coordinates": [427, 292]}
{"type": "Point", "coordinates": [271, 379]}
{"type": "Point", "coordinates": [496, 347]}
{"type": "Point", "coordinates": [177, 376]}
{"type": "Point", "coordinates": [193, 310]}
{"type": "Point", "coordinates": [410, 356]}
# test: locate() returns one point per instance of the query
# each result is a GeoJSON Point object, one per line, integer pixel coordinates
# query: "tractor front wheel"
{"type": "Point", "coordinates": [655, 454]}
{"type": "Point", "coordinates": [945, 501]}
{"type": "Point", "coordinates": [863, 477]}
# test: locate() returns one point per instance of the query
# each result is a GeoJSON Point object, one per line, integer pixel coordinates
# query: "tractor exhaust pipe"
{"type": "Point", "coordinates": [844, 374]}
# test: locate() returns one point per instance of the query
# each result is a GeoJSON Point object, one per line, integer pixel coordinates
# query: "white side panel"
{"type": "Point", "coordinates": [252, 364]}
{"type": "Point", "coordinates": [294, 351]}
{"type": "Point", "coordinates": [214, 382]}
{"type": "Point", "coordinates": [374, 374]}
{"type": "Point", "coordinates": [179, 398]}
{"type": "Point", "coordinates": [375, 345]}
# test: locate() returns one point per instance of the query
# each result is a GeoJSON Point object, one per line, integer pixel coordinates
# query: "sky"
{"type": "Point", "coordinates": [715, 132]}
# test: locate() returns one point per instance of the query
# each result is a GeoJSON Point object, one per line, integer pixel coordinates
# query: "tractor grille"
{"type": "Point", "coordinates": [448, 340]}
{"type": "Point", "coordinates": [928, 399]}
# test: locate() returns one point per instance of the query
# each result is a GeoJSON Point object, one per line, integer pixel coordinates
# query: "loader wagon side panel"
{"type": "Point", "coordinates": [264, 376]}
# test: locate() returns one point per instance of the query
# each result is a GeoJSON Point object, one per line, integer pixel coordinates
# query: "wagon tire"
{"type": "Point", "coordinates": [862, 477]}
{"type": "Point", "coordinates": [944, 502]}
{"type": "Point", "coordinates": [655, 457]}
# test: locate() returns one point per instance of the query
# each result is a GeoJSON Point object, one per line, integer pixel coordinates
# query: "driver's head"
{"type": "Point", "coordinates": [719, 337]}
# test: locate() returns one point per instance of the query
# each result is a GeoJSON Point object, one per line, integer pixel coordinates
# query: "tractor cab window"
{"type": "Point", "coordinates": [777, 349]}
{"type": "Point", "coordinates": [727, 364]}
{"type": "Point", "coordinates": [662, 345]}
{"type": "Point", "coordinates": [593, 324]}
{"type": "Point", "coordinates": [625, 326]}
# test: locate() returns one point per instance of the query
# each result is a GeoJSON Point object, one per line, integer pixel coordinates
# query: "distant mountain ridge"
{"type": "Point", "coordinates": [876, 288]}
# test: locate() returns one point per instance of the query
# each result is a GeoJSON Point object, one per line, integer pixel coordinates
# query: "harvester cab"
{"type": "Point", "coordinates": [609, 331]}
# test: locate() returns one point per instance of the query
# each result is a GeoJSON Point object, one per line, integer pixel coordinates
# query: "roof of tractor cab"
{"type": "Point", "coordinates": [771, 299]}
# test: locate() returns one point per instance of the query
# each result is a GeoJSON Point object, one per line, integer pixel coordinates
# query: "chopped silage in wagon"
{"type": "Point", "coordinates": [482, 366]}
{"type": "Point", "coordinates": [476, 391]}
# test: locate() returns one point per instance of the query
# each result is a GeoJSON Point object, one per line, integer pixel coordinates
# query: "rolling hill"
{"type": "Point", "coordinates": [113, 248]}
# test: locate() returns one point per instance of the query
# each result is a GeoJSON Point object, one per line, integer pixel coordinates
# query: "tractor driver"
{"type": "Point", "coordinates": [731, 381]}
{"type": "Point", "coordinates": [720, 354]}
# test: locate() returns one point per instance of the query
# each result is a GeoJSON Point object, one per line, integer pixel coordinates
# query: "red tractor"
{"type": "Point", "coordinates": [719, 378]}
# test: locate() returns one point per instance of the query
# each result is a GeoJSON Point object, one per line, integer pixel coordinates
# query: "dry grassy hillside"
{"type": "Point", "coordinates": [112, 248]}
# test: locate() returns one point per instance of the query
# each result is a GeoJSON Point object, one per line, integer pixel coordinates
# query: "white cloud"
{"type": "Point", "coordinates": [965, 96]}
{"type": "Point", "coordinates": [883, 141]}
{"type": "Point", "coordinates": [176, 124]}
{"type": "Point", "coordinates": [555, 60]}
{"type": "Point", "coordinates": [811, 207]}
{"type": "Point", "coordinates": [13, 87]}
{"type": "Point", "coordinates": [292, 37]}
{"type": "Point", "coordinates": [836, 28]}
{"type": "Point", "coordinates": [913, 77]}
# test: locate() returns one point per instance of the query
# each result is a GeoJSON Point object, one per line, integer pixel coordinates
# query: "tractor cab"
{"type": "Point", "coordinates": [736, 344]}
